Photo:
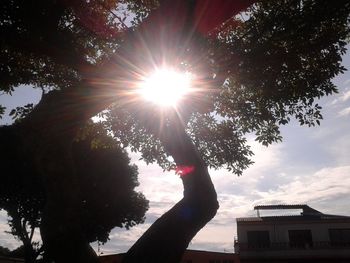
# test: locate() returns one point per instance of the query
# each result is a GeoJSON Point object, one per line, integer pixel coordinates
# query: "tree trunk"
{"type": "Point", "coordinates": [167, 239]}
{"type": "Point", "coordinates": [47, 134]}
{"type": "Point", "coordinates": [61, 230]}
{"type": "Point", "coordinates": [29, 253]}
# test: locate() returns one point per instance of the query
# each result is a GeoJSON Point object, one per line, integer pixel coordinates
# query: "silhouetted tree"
{"type": "Point", "coordinates": [21, 192]}
{"type": "Point", "coordinates": [4, 251]}
{"type": "Point", "coordinates": [106, 189]}
{"type": "Point", "coordinates": [255, 73]}
{"type": "Point", "coordinates": [19, 252]}
{"type": "Point", "coordinates": [107, 181]}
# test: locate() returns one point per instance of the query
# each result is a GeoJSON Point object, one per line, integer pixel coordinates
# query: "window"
{"type": "Point", "coordinates": [300, 238]}
{"type": "Point", "coordinates": [339, 237]}
{"type": "Point", "coordinates": [258, 239]}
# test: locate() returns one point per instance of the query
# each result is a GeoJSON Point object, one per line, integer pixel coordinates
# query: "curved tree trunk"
{"type": "Point", "coordinates": [167, 239]}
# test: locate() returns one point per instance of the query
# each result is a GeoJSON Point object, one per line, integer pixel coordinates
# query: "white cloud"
{"type": "Point", "coordinates": [326, 186]}
{"type": "Point", "coordinates": [340, 103]}
{"type": "Point", "coordinates": [342, 97]}
{"type": "Point", "coordinates": [339, 149]}
{"type": "Point", "coordinates": [7, 240]}
{"type": "Point", "coordinates": [215, 238]}
{"type": "Point", "coordinates": [345, 96]}
{"type": "Point", "coordinates": [344, 112]}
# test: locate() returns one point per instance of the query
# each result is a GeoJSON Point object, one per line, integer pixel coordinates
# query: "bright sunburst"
{"type": "Point", "coordinates": [165, 87]}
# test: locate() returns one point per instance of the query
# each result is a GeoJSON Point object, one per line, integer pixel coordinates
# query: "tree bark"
{"type": "Point", "coordinates": [46, 135]}
{"type": "Point", "coordinates": [168, 237]}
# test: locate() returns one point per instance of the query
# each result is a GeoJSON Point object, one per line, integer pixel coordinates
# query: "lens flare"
{"type": "Point", "coordinates": [184, 170]}
{"type": "Point", "coordinates": [165, 87]}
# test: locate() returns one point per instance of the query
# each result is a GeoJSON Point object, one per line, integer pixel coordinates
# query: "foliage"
{"type": "Point", "coordinates": [2, 111]}
{"type": "Point", "coordinates": [4, 251]}
{"type": "Point", "coordinates": [277, 62]}
{"type": "Point", "coordinates": [288, 52]}
{"type": "Point", "coordinates": [44, 43]}
{"type": "Point", "coordinates": [21, 191]}
{"type": "Point", "coordinates": [18, 252]}
{"type": "Point", "coordinates": [106, 190]}
{"type": "Point", "coordinates": [19, 113]}
{"type": "Point", "coordinates": [107, 182]}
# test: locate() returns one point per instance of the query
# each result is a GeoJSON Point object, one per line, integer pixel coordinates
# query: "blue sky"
{"type": "Point", "coordinates": [311, 165]}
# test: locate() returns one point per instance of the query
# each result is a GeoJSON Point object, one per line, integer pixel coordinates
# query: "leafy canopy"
{"type": "Point", "coordinates": [106, 180]}
{"type": "Point", "coordinates": [269, 66]}
{"type": "Point", "coordinates": [280, 58]}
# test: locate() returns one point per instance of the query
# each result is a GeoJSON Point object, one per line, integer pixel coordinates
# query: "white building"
{"type": "Point", "coordinates": [310, 236]}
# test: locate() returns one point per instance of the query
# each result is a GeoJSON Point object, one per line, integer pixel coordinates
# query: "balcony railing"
{"type": "Point", "coordinates": [290, 246]}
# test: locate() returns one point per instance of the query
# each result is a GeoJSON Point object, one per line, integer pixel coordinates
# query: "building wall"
{"type": "Point", "coordinates": [279, 230]}
{"type": "Point", "coordinates": [280, 248]}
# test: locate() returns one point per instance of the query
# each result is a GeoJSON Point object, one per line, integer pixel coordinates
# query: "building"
{"type": "Point", "coordinates": [190, 256]}
{"type": "Point", "coordinates": [310, 236]}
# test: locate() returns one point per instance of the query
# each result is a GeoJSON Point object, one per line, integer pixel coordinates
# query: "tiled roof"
{"type": "Point", "coordinates": [280, 206]}
{"type": "Point", "coordinates": [307, 214]}
{"type": "Point", "coordinates": [306, 209]}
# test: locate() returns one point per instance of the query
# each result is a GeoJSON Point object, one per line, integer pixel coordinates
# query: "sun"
{"type": "Point", "coordinates": [165, 87]}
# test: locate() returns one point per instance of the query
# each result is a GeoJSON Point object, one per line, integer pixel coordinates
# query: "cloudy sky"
{"type": "Point", "coordinates": [311, 165]}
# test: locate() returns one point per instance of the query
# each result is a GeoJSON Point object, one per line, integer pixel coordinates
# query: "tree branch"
{"type": "Point", "coordinates": [169, 236]}
{"type": "Point", "coordinates": [32, 229]}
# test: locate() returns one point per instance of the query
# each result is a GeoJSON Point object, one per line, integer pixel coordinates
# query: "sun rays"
{"type": "Point", "coordinates": [165, 87]}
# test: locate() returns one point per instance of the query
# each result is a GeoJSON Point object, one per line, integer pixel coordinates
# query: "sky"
{"type": "Point", "coordinates": [311, 166]}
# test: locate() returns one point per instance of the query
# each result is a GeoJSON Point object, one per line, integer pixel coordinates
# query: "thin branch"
{"type": "Point", "coordinates": [114, 15]}
{"type": "Point", "coordinates": [31, 233]}
{"type": "Point", "coordinates": [24, 230]}
{"type": "Point", "coordinates": [120, 20]}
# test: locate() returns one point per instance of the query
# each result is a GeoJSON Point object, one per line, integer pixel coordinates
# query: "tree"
{"type": "Point", "coordinates": [4, 251]}
{"type": "Point", "coordinates": [16, 253]}
{"type": "Point", "coordinates": [21, 192]}
{"type": "Point", "coordinates": [107, 190]}
{"type": "Point", "coordinates": [277, 63]}
{"type": "Point", "coordinates": [255, 73]}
